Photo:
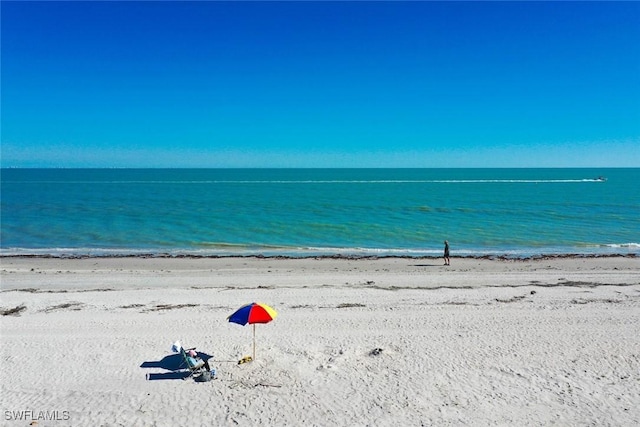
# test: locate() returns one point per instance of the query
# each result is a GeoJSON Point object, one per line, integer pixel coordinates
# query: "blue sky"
{"type": "Point", "coordinates": [320, 84]}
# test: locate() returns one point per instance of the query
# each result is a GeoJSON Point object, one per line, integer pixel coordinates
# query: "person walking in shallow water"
{"type": "Point", "coordinates": [447, 261]}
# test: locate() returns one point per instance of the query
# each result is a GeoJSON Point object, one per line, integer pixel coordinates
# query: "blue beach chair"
{"type": "Point", "coordinates": [194, 365]}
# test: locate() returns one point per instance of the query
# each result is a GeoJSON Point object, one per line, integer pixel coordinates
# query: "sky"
{"type": "Point", "coordinates": [320, 84]}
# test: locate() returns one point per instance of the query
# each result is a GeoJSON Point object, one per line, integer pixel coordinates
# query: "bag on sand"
{"type": "Point", "coordinates": [204, 377]}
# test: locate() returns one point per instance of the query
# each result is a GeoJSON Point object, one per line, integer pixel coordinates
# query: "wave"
{"type": "Point", "coordinates": [381, 181]}
{"type": "Point", "coordinates": [233, 250]}
{"type": "Point", "coordinates": [621, 245]}
{"type": "Point", "coordinates": [246, 182]}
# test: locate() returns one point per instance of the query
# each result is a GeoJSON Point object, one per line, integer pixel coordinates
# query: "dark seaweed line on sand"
{"type": "Point", "coordinates": [365, 285]}
{"type": "Point", "coordinates": [533, 284]}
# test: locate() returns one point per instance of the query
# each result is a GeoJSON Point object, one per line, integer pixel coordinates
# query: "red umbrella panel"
{"type": "Point", "coordinates": [253, 313]}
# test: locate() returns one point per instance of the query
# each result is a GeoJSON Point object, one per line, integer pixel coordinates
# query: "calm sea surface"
{"type": "Point", "coordinates": [313, 212]}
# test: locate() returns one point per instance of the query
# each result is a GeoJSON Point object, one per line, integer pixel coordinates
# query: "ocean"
{"type": "Point", "coordinates": [319, 212]}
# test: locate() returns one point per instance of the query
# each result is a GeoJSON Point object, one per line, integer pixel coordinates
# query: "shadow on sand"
{"type": "Point", "coordinates": [428, 265]}
{"type": "Point", "coordinates": [174, 364]}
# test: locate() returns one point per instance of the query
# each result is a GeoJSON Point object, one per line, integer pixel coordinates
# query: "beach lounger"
{"type": "Point", "coordinates": [193, 364]}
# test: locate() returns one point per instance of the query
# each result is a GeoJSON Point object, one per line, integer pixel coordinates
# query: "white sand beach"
{"type": "Point", "coordinates": [87, 342]}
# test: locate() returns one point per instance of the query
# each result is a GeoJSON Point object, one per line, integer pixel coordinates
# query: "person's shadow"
{"type": "Point", "coordinates": [174, 364]}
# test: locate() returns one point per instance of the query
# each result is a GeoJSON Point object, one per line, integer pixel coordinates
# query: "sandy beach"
{"type": "Point", "coordinates": [550, 341]}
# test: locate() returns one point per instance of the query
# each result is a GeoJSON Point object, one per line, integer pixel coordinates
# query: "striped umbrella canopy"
{"type": "Point", "coordinates": [253, 313]}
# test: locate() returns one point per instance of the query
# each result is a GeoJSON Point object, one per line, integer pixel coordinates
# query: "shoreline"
{"type": "Point", "coordinates": [335, 256]}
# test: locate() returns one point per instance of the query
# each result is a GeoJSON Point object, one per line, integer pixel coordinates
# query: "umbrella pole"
{"type": "Point", "coordinates": [254, 341]}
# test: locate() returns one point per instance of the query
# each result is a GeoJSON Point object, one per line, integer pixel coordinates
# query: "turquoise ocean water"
{"type": "Point", "coordinates": [319, 212]}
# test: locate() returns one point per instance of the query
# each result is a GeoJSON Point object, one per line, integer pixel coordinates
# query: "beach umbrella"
{"type": "Point", "coordinates": [253, 313]}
